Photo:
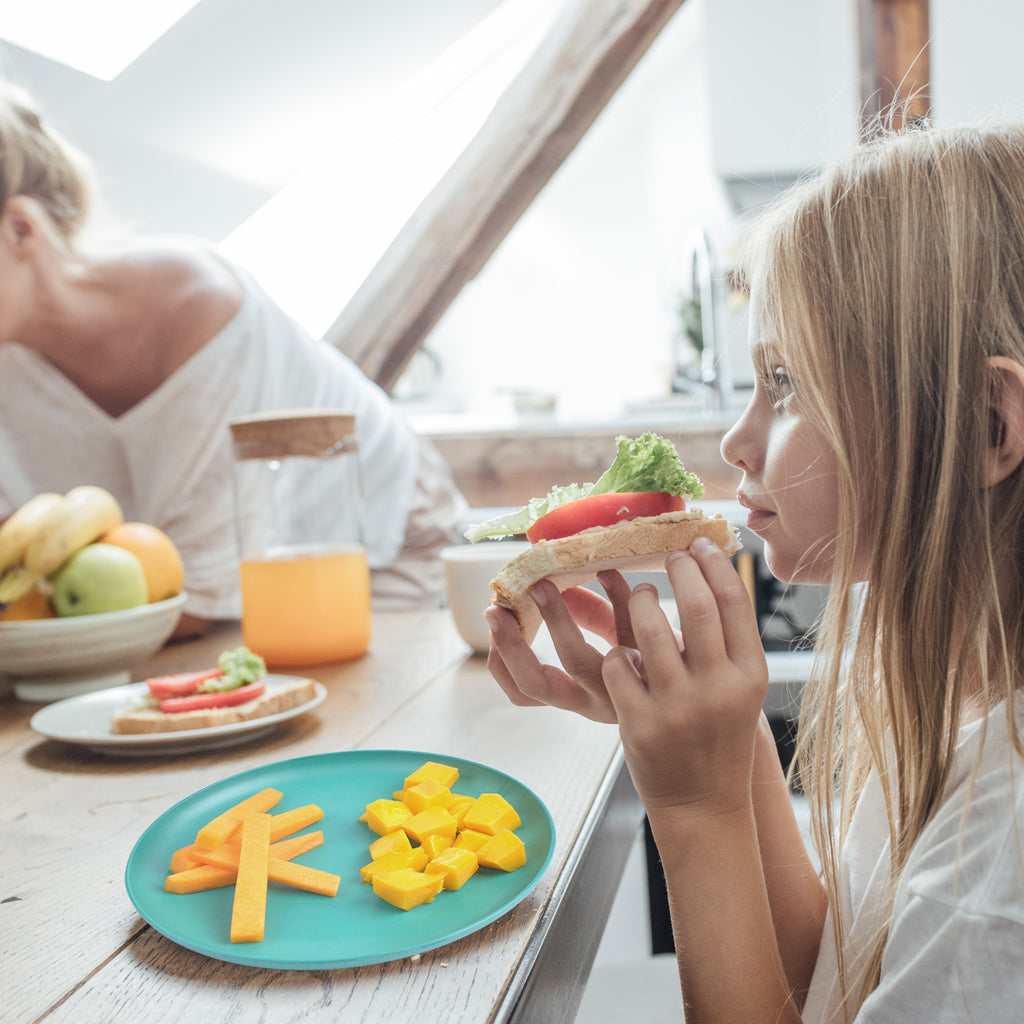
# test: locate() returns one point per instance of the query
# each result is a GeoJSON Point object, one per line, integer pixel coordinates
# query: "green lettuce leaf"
{"type": "Point", "coordinates": [240, 667]}
{"type": "Point", "coordinates": [646, 463]}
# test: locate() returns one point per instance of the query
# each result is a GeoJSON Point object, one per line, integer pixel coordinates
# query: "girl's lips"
{"type": "Point", "coordinates": [758, 519]}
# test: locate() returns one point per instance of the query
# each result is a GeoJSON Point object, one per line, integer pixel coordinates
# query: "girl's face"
{"type": "Point", "coordinates": [789, 469]}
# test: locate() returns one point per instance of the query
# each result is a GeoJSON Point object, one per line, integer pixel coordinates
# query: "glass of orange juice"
{"type": "Point", "coordinates": [305, 582]}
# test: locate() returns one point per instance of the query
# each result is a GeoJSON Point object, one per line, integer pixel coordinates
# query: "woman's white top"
{"type": "Point", "coordinates": [955, 951]}
{"type": "Point", "coordinates": [168, 459]}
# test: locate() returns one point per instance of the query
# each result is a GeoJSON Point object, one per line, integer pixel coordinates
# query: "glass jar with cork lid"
{"type": "Point", "coordinates": [305, 581]}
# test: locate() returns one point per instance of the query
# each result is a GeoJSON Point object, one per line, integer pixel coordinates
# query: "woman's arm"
{"type": "Point", "coordinates": [190, 627]}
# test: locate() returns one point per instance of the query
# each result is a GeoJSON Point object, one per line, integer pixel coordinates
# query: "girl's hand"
{"type": "Point", "coordinates": [688, 716]}
{"type": "Point", "coordinates": [577, 686]}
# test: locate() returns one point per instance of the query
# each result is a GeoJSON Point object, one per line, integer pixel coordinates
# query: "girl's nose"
{"type": "Point", "coordinates": [738, 447]}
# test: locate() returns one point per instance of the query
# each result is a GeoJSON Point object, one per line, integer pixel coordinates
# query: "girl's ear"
{"type": "Point", "coordinates": [1006, 419]}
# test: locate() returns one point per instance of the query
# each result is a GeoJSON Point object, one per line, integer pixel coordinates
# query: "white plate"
{"type": "Point", "coordinates": [85, 720]}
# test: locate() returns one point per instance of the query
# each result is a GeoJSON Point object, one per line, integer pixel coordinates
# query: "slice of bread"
{"type": "Point", "coordinates": [637, 545]}
{"type": "Point", "coordinates": [135, 720]}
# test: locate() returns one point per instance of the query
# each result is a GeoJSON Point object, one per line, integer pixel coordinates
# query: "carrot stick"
{"type": "Point", "coordinates": [288, 822]}
{"type": "Point", "coordinates": [300, 876]}
{"type": "Point", "coordinates": [215, 832]}
{"type": "Point", "coordinates": [279, 868]}
{"type": "Point", "coordinates": [227, 854]}
{"type": "Point", "coordinates": [220, 866]}
{"type": "Point", "coordinates": [249, 908]}
{"type": "Point", "coordinates": [183, 859]}
{"type": "Point", "coordinates": [200, 879]}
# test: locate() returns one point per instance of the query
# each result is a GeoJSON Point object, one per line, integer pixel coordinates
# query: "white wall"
{"type": "Point", "coordinates": [976, 66]}
{"type": "Point", "coordinates": [579, 297]}
{"type": "Point", "coordinates": [596, 265]}
{"type": "Point", "coordinates": [733, 91]}
{"type": "Point", "coordinates": [736, 99]}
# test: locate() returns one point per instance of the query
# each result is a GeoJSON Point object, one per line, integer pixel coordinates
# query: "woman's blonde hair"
{"type": "Point", "coordinates": [36, 162]}
{"type": "Point", "coordinates": [886, 283]}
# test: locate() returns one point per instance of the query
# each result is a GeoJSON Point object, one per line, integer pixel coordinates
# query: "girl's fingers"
{"type": "Point", "coordinates": [622, 672]}
{"type": "Point", "coordinates": [618, 591]}
{"type": "Point", "coordinates": [506, 660]}
{"type": "Point", "coordinates": [699, 618]}
{"type": "Point", "coordinates": [734, 612]}
{"type": "Point", "coordinates": [579, 659]}
{"type": "Point", "coordinates": [655, 640]}
{"type": "Point", "coordinates": [591, 612]}
{"type": "Point", "coordinates": [527, 682]}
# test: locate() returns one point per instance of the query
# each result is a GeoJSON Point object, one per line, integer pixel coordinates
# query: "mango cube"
{"type": "Point", "coordinates": [426, 794]}
{"type": "Point", "coordinates": [406, 888]}
{"type": "Point", "coordinates": [456, 865]}
{"type": "Point", "coordinates": [435, 844]}
{"type": "Point", "coordinates": [491, 813]}
{"type": "Point", "coordinates": [505, 851]}
{"type": "Point", "coordinates": [470, 839]}
{"type": "Point", "coordinates": [459, 805]}
{"type": "Point", "coordinates": [384, 816]}
{"type": "Point", "coordinates": [389, 843]}
{"type": "Point", "coordinates": [411, 858]}
{"type": "Point", "coordinates": [433, 821]}
{"type": "Point", "coordinates": [445, 774]}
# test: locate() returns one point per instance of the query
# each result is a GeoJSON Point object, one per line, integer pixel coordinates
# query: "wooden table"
{"type": "Point", "coordinates": [73, 948]}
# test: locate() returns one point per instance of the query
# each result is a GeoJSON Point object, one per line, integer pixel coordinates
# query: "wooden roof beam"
{"type": "Point", "coordinates": [536, 124]}
{"type": "Point", "coordinates": [894, 63]}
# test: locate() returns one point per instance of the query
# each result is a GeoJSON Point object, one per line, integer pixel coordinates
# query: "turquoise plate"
{"type": "Point", "coordinates": [305, 931]}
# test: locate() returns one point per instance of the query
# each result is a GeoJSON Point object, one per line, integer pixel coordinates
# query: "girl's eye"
{"type": "Point", "coordinates": [777, 384]}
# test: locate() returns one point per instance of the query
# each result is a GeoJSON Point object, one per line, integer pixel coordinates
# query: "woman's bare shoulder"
{"type": "Point", "coordinates": [186, 268]}
{"type": "Point", "coordinates": [195, 292]}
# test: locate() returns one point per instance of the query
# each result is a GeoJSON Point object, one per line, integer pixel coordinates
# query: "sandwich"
{"type": "Point", "coordinates": [630, 519]}
{"type": "Point", "coordinates": [237, 690]}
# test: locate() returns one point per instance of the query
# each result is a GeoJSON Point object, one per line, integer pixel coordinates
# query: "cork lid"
{"type": "Point", "coordinates": [286, 432]}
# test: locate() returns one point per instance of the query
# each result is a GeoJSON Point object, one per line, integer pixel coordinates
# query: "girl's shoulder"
{"type": "Point", "coordinates": [971, 845]}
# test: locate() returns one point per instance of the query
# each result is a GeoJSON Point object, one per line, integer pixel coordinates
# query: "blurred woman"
{"type": "Point", "coordinates": [123, 362]}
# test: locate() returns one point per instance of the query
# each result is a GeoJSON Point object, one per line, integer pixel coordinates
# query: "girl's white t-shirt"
{"type": "Point", "coordinates": [955, 951]}
{"type": "Point", "coordinates": [168, 459]}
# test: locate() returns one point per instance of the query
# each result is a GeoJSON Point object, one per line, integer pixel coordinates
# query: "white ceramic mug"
{"type": "Point", "coordinates": [468, 571]}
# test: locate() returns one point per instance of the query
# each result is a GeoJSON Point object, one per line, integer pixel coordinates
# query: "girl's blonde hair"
{"type": "Point", "coordinates": [886, 283]}
{"type": "Point", "coordinates": [36, 162]}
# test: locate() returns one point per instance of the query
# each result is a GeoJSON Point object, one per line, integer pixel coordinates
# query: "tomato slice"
{"type": "Point", "coordinates": [602, 510]}
{"type": "Point", "coordinates": [180, 683]}
{"type": "Point", "coordinates": [202, 701]}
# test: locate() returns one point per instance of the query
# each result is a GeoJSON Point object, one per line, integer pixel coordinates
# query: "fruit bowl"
{"type": "Point", "coordinates": [50, 659]}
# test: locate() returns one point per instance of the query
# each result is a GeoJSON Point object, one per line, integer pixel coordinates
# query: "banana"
{"type": "Point", "coordinates": [86, 513]}
{"type": "Point", "coordinates": [15, 584]}
{"type": "Point", "coordinates": [18, 530]}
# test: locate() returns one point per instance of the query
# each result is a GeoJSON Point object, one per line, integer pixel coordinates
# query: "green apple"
{"type": "Point", "coordinates": [99, 578]}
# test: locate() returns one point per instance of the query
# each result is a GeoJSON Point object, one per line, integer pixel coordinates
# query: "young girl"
{"type": "Point", "coordinates": [122, 364]}
{"type": "Point", "coordinates": [881, 454]}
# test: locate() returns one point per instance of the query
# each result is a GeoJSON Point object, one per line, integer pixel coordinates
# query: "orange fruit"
{"type": "Point", "coordinates": [33, 605]}
{"type": "Point", "coordinates": [161, 560]}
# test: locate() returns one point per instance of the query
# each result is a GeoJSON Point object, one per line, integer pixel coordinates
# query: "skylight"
{"type": "Point", "coordinates": [100, 38]}
{"type": "Point", "coordinates": [380, 166]}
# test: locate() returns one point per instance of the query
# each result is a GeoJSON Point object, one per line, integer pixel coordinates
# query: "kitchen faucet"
{"type": "Point", "coordinates": [714, 369]}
